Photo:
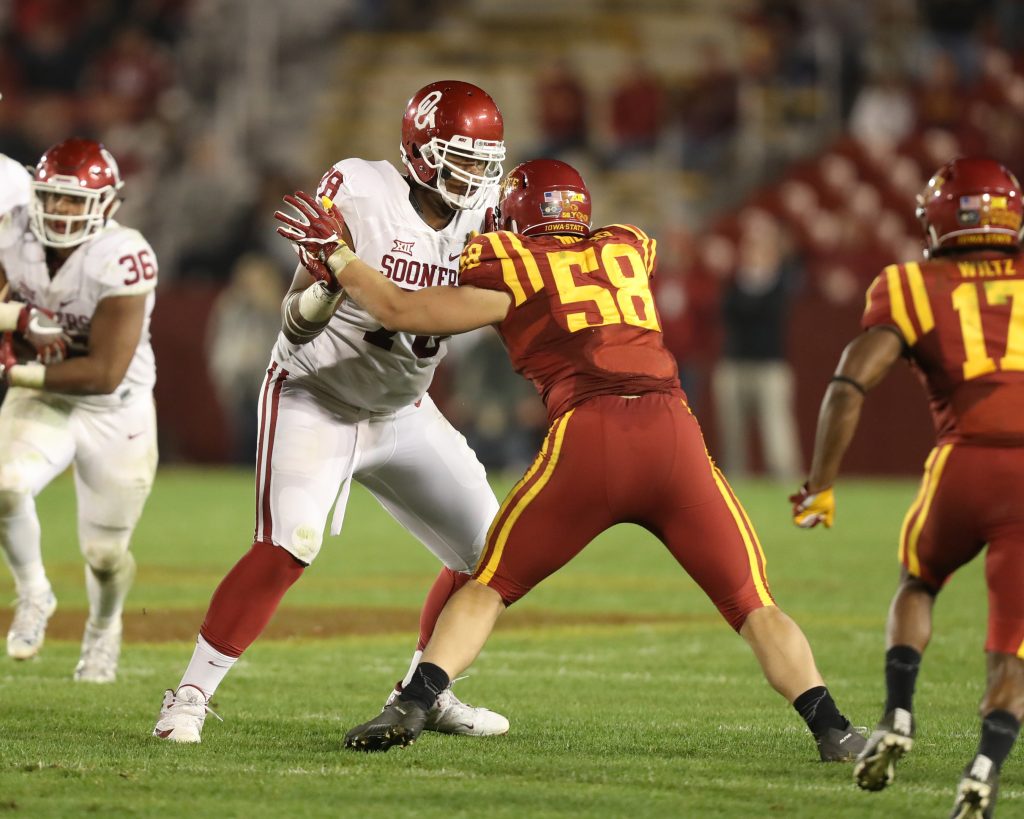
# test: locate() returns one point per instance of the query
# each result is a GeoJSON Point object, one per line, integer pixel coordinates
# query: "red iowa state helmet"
{"type": "Point", "coordinates": [544, 196]}
{"type": "Point", "coordinates": [970, 202]}
{"type": "Point", "coordinates": [82, 170]}
{"type": "Point", "coordinates": [453, 130]}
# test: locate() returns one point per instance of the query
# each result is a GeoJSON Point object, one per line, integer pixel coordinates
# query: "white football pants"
{"type": "Point", "coordinates": [114, 452]}
{"type": "Point", "coordinates": [417, 465]}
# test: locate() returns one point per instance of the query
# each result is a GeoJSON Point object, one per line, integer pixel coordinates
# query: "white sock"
{"type": "Point", "coordinates": [412, 668]}
{"type": "Point", "coordinates": [30, 579]}
{"type": "Point", "coordinates": [107, 591]}
{"type": "Point", "coordinates": [207, 668]}
{"type": "Point", "coordinates": [19, 540]}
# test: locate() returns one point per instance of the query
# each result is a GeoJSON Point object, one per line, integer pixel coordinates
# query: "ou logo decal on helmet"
{"type": "Point", "coordinates": [426, 110]}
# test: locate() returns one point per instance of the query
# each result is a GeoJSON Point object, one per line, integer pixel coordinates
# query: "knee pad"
{"type": "Point", "coordinates": [103, 551]}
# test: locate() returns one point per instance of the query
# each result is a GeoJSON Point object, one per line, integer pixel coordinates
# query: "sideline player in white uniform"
{"type": "Point", "coordinates": [346, 400]}
{"type": "Point", "coordinates": [81, 291]}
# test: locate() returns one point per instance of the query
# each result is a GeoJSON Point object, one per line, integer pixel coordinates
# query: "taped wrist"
{"type": "Point", "coordinates": [10, 312]}
{"type": "Point", "coordinates": [307, 313]}
{"type": "Point", "coordinates": [339, 258]}
{"type": "Point", "coordinates": [317, 303]}
{"type": "Point", "coordinates": [27, 375]}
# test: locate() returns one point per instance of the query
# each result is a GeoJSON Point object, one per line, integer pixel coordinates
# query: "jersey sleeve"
{"type": "Point", "coordinates": [898, 298]}
{"type": "Point", "coordinates": [14, 184]}
{"type": "Point", "coordinates": [121, 263]}
{"type": "Point", "coordinates": [498, 261]}
{"type": "Point", "coordinates": [14, 195]}
{"type": "Point", "coordinates": [346, 183]}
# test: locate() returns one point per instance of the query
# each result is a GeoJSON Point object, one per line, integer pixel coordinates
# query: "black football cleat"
{"type": "Point", "coordinates": [400, 723]}
{"type": "Point", "coordinates": [891, 739]}
{"type": "Point", "coordinates": [977, 791]}
{"type": "Point", "coordinates": [840, 745]}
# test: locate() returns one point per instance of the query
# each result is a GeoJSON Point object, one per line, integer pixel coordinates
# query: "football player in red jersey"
{"type": "Point", "coordinates": [575, 311]}
{"type": "Point", "coordinates": [958, 319]}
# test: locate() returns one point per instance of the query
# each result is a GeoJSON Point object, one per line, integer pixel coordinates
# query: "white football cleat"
{"type": "Point", "coordinates": [101, 649]}
{"type": "Point", "coordinates": [450, 715]}
{"type": "Point", "coordinates": [28, 628]}
{"type": "Point", "coordinates": [182, 715]}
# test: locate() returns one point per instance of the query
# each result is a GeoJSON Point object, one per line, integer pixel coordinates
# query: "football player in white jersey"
{"type": "Point", "coordinates": [345, 400]}
{"type": "Point", "coordinates": [81, 292]}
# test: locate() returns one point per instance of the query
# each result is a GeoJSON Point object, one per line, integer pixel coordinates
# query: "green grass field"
{"type": "Point", "coordinates": [665, 714]}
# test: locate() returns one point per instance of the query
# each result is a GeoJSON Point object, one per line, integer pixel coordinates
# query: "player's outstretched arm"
{"type": "Point", "coordinates": [432, 311]}
{"type": "Point", "coordinates": [864, 363]}
{"type": "Point", "coordinates": [319, 235]}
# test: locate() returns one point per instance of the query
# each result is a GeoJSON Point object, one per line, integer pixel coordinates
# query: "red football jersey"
{"type": "Point", "coordinates": [583, 321]}
{"type": "Point", "coordinates": [963, 321]}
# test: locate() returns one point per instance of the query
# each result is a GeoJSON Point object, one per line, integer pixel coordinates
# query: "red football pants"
{"type": "Point", "coordinates": [627, 460]}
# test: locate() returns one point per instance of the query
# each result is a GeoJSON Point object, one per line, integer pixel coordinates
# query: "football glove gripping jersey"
{"type": "Point", "coordinates": [812, 508]}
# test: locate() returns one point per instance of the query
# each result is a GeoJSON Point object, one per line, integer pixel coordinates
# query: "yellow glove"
{"type": "Point", "coordinates": [812, 508]}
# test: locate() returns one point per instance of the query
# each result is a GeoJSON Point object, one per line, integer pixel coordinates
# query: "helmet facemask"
{"type": "Point", "coordinates": [69, 230]}
{"type": "Point", "coordinates": [474, 163]}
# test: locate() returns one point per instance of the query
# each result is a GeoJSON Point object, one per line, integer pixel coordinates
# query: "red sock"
{"type": "Point", "coordinates": [447, 583]}
{"type": "Point", "coordinates": [247, 598]}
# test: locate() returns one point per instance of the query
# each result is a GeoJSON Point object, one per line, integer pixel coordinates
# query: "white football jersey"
{"type": "Point", "coordinates": [354, 359]}
{"type": "Point", "coordinates": [117, 261]}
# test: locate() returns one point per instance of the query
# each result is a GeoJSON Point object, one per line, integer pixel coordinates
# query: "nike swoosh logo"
{"type": "Point", "coordinates": [136, 435]}
{"type": "Point", "coordinates": [64, 304]}
{"type": "Point", "coordinates": [453, 258]}
{"type": "Point", "coordinates": [217, 665]}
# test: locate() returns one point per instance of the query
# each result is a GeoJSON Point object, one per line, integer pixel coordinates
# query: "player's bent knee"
{"type": "Point", "coordinates": [104, 553]}
{"type": "Point", "coordinates": [12, 501]}
{"type": "Point", "coordinates": [738, 609]}
{"type": "Point", "coordinates": [304, 543]}
{"type": "Point", "coordinates": [919, 585]}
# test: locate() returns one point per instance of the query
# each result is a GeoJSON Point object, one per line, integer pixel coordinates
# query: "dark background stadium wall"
{"type": "Point", "coordinates": [888, 441]}
{"type": "Point", "coordinates": [194, 428]}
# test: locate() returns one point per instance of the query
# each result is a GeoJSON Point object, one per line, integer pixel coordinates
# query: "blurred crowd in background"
{"type": "Point", "coordinates": [774, 148]}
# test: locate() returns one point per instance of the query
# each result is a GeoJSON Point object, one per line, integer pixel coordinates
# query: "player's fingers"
{"type": "Point", "coordinates": [308, 206]}
{"type": "Point", "coordinates": [807, 521]}
{"type": "Point", "coordinates": [298, 206]}
{"type": "Point", "coordinates": [295, 225]}
{"type": "Point", "coordinates": [312, 204]}
{"type": "Point", "coordinates": [291, 234]}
